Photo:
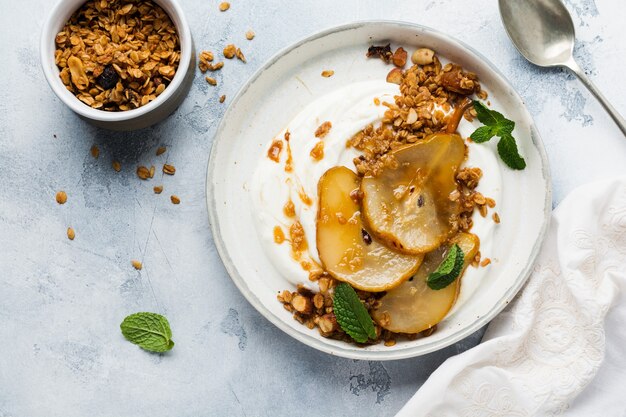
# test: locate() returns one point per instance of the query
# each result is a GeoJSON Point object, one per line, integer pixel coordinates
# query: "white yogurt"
{"type": "Point", "coordinates": [349, 109]}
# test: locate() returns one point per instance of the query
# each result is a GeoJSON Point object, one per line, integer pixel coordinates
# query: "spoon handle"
{"type": "Point", "coordinates": [619, 120]}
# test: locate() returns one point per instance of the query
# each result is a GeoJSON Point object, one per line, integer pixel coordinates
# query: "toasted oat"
{"type": "Point", "coordinates": [204, 60]}
{"type": "Point", "coordinates": [70, 233]}
{"type": "Point", "coordinates": [222, 98]}
{"type": "Point", "coordinates": [175, 199]}
{"type": "Point", "coordinates": [328, 73]}
{"type": "Point", "coordinates": [152, 170]}
{"type": "Point", "coordinates": [240, 55]}
{"type": "Point", "coordinates": [95, 152]}
{"type": "Point", "coordinates": [214, 67]}
{"type": "Point", "coordinates": [210, 80]}
{"type": "Point", "coordinates": [224, 6]}
{"type": "Point", "coordinates": [143, 172]}
{"type": "Point", "coordinates": [117, 166]}
{"type": "Point", "coordinates": [61, 197]}
{"type": "Point", "coordinates": [323, 129]}
{"type": "Point", "coordinates": [169, 169]}
{"type": "Point", "coordinates": [496, 217]}
{"type": "Point", "coordinates": [136, 264]}
{"type": "Point", "coordinates": [229, 51]}
{"type": "Point", "coordinates": [113, 57]}
{"type": "Point", "coordinates": [249, 35]}
{"type": "Point", "coordinates": [160, 150]}
{"type": "Point", "coordinates": [158, 189]}
{"type": "Point", "coordinates": [485, 262]}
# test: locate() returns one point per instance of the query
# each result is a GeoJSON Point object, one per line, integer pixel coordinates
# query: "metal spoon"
{"type": "Point", "coordinates": [543, 32]}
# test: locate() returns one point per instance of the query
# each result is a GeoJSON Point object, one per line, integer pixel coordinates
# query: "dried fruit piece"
{"type": "Point", "coordinates": [229, 51]}
{"type": "Point", "coordinates": [423, 56]}
{"type": "Point", "coordinates": [61, 197]}
{"type": "Point", "coordinates": [412, 306]}
{"type": "Point", "coordinates": [382, 52]}
{"type": "Point", "coordinates": [369, 266]}
{"type": "Point", "coordinates": [250, 35]}
{"type": "Point", "coordinates": [409, 207]}
{"type": "Point", "coordinates": [328, 73]}
{"type": "Point", "coordinates": [70, 233]}
{"type": "Point", "coordinates": [136, 264]}
{"type": "Point", "coordinates": [108, 78]}
{"type": "Point", "coordinates": [77, 72]}
{"type": "Point", "coordinates": [399, 57]}
{"type": "Point", "coordinates": [169, 169]}
{"type": "Point", "coordinates": [175, 199]}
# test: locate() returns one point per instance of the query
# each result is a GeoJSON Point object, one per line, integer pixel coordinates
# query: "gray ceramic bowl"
{"type": "Point", "coordinates": [143, 116]}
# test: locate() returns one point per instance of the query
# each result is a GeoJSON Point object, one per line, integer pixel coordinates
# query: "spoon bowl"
{"type": "Point", "coordinates": [543, 32]}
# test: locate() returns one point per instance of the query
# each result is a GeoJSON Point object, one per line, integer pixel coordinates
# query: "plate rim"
{"type": "Point", "coordinates": [365, 354]}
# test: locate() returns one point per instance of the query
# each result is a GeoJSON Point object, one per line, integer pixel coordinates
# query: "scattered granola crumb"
{"type": "Point", "coordinates": [175, 199]}
{"type": "Point", "coordinates": [70, 233]}
{"type": "Point", "coordinates": [95, 152]}
{"type": "Point", "coordinates": [224, 6]}
{"type": "Point", "coordinates": [216, 66]}
{"type": "Point", "coordinates": [169, 169]}
{"type": "Point", "coordinates": [222, 98]}
{"type": "Point", "coordinates": [399, 57]}
{"type": "Point", "coordinates": [161, 150]}
{"type": "Point", "coordinates": [240, 56]}
{"type": "Point", "coordinates": [117, 166]}
{"type": "Point", "coordinates": [496, 217]}
{"type": "Point", "coordinates": [317, 152]}
{"type": "Point", "coordinates": [61, 197]}
{"type": "Point", "coordinates": [158, 189]}
{"type": "Point", "coordinates": [143, 172]}
{"type": "Point", "coordinates": [323, 129]}
{"type": "Point", "coordinates": [152, 169]}
{"type": "Point", "coordinates": [229, 51]}
{"type": "Point", "coordinates": [382, 52]}
{"type": "Point", "coordinates": [390, 342]}
{"type": "Point", "coordinates": [210, 80]}
{"type": "Point", "coordinates": [250, 35]}
{"type": "Point", "coordinates": [485, 262]}
{"type": "Point", "coordinates": [136, 264]}
{"type": "Point", "coordinates": [328, 73]}
{"type": "Point", "coordinates": [205, 58]}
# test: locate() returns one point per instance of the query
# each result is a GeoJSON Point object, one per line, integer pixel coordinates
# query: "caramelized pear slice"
{"type": "Point", "coordinates": [412, 306]}
{"type": "Point", "coordinates": [346, 248]}
{"type": "Point", "coordinates": [409, 207]}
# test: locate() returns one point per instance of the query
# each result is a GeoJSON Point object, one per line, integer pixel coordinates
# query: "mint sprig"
{"type": "Point", "coordinates": [449, 269]}
{"type": "Point", "coordinates": [498, 125]}
{"type": "Point", "coordinates": [150, 331]}
{"type": "Point", "coordinates": [352, 315]}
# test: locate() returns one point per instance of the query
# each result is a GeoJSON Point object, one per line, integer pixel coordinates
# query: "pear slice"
{"type": "Point", "coordinates": [346, 248]}
{"type": "Point", "coordinates": [409, 207]}
{"type": "Point", "coordinates": [412, 306]}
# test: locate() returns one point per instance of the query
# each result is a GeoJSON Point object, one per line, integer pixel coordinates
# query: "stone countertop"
{"type": "Point", "coordinates": [61, 301]}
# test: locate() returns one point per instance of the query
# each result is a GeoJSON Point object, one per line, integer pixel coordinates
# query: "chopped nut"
{"type": "Point", "coordinates": [240, 56]}
{"type": "Point", "coordinates": [222, 98]}
{"type": "Point", "coordinates": [328, 73]}
{"type": "Point", "coordinates": [143, 172]}
{"type": "Point", "coordinates": [285, 296]}
{"type": "Point", "coordinates": [249, 35]}
{"type": "Point", "coordinates": [70, 233]}
{"type": "Point", "coordinates": [229, 51]}
{"type": "Point", "coordinates": [77, 72]}
{"type": "Point", "coordinates": [169, 169]}
{"type": "Point", "coordinates": [160, 150]}
{"type": "Point", "coordinates": [323, 129]}
{"type": "Point", "coordinates": [61, 197]}
{"type": "Point", "coordinates": [318, 301]}
{"type": "Point", "coordinates": [423, 56]}
{"type": "Point", "coordinates": [175, 199]}
{"type": "Point", "coordinates": [224, 6]}
{"type": "Point", "coordinates": [302, 304]}
{"type": "Point", "coordinates": [324, 284]}
{"type": "Point", "coordinates": [210, 80]}
{"type": "Point", "coordinates": [136, 264]}
{"type": "Point", "coordinates": [327, 323]}
{"type": "Point", "coordinates": [158, 189]}
{"type": "Point", "coordinates": [117, 166]}
{"type": "Point", "coordinates": [411, 117]}
{"type": "Point", "coordinates": [399, 57]}
{"type": "Point", "coordinates": [95, 152]}
{"type": "Point", "coordinates": [395, 76]}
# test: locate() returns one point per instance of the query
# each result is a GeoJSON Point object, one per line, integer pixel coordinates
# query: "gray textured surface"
{"type": "Point", "coordinates": [61, 302]}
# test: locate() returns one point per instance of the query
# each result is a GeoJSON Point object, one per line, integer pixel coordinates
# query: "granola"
{"type": "Point", "coordinates": [117, 56]}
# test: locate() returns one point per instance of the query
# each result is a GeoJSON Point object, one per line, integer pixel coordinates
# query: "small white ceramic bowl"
{"type": "Point", "coordinates": [143, 116]}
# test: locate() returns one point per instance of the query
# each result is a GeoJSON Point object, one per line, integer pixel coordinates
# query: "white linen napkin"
{"type": "Point", "coordinates": [560, 347]}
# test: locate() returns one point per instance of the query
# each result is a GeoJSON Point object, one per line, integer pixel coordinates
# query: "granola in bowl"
{"type": "Point", "coordinates": [366, 201]}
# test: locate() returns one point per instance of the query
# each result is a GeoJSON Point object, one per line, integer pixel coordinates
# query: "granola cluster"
{"type": "Point", "coordinates": [117, 55]}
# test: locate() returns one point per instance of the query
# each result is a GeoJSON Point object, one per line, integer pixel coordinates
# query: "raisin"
{"type": "Point", "coordinates": [108, 78]}
{"type": "Point", "coordinates": [382, 52]}
{"type": "Point", "coordinates": [366, 237]}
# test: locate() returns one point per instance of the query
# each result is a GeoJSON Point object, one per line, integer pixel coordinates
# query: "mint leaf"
{"type": "Point", "coordinates": [449, 269]}
{"type": "Point", "coordinates": [352, 315]}
{"type": "Point", "coordinates": [483, 134]}
{"type": "Point", "coordinates": [486, 116]}
{"type": "Point", "coordinates": [150, 331]}
{"type": "Point", "coordinates": [507, 149]}
{"type": "Point", "coordinates": [504, 127]}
